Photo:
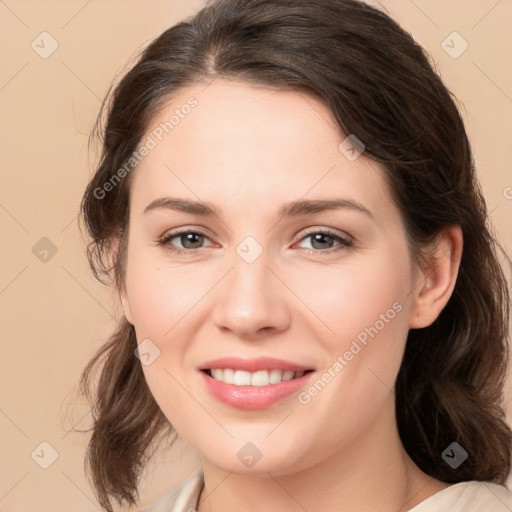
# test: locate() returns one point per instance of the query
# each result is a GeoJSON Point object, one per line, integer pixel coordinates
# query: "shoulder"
{"type": "Point", "coordinates": [472, 496]}
{"type": "Point", "coordinates": [182, 498]}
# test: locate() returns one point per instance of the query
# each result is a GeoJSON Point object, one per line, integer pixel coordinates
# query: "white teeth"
{"type": "Point", "coordinates": [227, 376]}
{"type": "Point", "coordinates": [288, 375]}
{"type": "Point", "coordinates": [259, 378]}
{"type": "Point", "coordinates": [241, 378]}
{"type": "Point", "coordinates": [275, 376]}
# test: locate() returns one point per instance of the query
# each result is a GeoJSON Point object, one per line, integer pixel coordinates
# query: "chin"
{"type": "Point", "coordinates": [256, 458]}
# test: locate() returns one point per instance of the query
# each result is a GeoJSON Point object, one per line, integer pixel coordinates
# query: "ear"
{"type": "Point", "coordinates": [437, 279]}
{"type": "Point", "coordinates": [121, 289]}
{"type": "Point", "coordinates": [126, 306]}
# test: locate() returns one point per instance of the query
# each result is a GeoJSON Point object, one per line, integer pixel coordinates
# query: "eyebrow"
{"type": "Point", "coordinates": [290, 209]}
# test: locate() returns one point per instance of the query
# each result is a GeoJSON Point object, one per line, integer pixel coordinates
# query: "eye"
{"type": "Point", "coordinates": [322, 241]}
{"type": "Point", "coordinates": [190, 241]}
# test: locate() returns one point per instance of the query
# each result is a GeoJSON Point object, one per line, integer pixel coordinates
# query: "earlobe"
{"type": "Point", "coordinates": [438, 279]}
{"type": "Point", "coordinates": [126, 306]}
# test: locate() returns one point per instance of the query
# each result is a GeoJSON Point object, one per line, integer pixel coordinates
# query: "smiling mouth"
{"type": "Point", "coordinates": [258, 378]}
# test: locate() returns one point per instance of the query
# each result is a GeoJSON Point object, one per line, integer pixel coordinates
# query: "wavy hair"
{"type": "Point", "coordinates": [379, 84]}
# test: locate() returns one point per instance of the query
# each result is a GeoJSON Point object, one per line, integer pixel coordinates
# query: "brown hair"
{"type": "Point", "coordinates": [379, 85]}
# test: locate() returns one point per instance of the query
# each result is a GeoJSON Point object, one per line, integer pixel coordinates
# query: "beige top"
{"type": "Point", "coordinates": [470, 496]}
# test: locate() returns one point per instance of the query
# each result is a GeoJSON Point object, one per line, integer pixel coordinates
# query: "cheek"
{"type": "Point", "coordinates": [159, 295]}
{"type": "Point", "coordinates": [364, 357]}
{"type": "Point", "coordinates": [358, 295]}
{"type": "Point", "coordinates": [363, 310]}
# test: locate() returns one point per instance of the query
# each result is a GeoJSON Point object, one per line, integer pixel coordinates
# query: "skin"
{"type": "Point", "coordinates": [248, 150]}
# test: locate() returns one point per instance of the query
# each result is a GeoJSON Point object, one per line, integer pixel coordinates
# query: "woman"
{"type": "Point", "coordinates": [312, 298]}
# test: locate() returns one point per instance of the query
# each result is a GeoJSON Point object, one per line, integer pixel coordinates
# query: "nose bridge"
{"type": "Point", "coordinates": [251, 298]}
{"type": "Point", "coordinates": [250, 276]}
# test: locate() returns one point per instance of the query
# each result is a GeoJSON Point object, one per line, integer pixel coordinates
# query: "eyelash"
{"type": "Point", "coordinates": [343, 242]}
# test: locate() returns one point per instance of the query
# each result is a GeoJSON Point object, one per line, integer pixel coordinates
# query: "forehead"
{"type": "Point", "coordinates": [244, 145]}
{"type": "Point", "coordinates": [243, 112]}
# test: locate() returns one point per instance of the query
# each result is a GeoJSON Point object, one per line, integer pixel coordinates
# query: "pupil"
{"type": "Point", "coordinates": [189, 238]}
{"type": "Point", "coordinates": [318, 238]}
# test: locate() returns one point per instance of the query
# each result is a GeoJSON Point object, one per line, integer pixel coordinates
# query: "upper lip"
{"type": "Point", "coordinates": [253, 365]}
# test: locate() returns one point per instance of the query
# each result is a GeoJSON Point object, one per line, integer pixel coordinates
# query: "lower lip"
{"type": "Point", "coordinates": [253, 397]}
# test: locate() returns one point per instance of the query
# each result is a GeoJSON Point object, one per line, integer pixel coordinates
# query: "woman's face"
{"type": "Point", "coordinates": [258, 280]}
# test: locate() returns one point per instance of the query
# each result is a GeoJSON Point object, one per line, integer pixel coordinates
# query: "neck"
{"type": "Point", "coordinates": [372, 472]}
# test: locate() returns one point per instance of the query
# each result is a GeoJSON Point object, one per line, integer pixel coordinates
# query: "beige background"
{"type": "Point", "coordinates": [53, 314]}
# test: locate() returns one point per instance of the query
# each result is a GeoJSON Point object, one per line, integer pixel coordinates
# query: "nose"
{"type": "Point", "coordinates": [252, 302]}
